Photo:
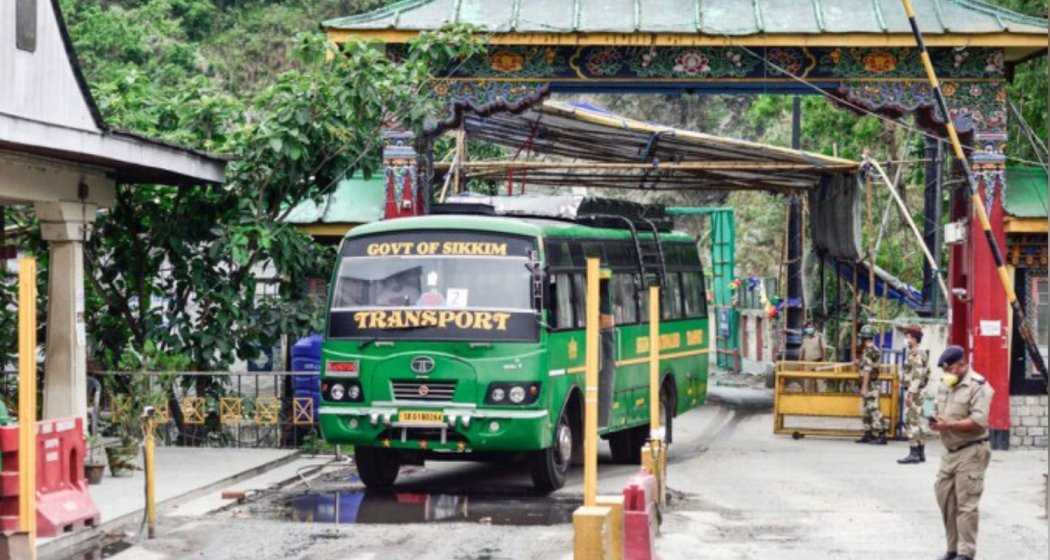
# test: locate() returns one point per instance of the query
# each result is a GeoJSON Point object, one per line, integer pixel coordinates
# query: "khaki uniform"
{"type": "Point", "coordinates": [960, 480]}
{"type": "Point", "coordinates": [813, 349]}
{"type": "Point", "coordinates": [870, 413]}
{"type": "Point", "coordinates": [916, 376]}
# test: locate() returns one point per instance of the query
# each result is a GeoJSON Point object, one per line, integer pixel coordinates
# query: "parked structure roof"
{"type": "Point", "coordinates": [355, 200]}
{"type": "Point", "coordinates": [685, 22]}
{"type": "Point", "coordinates": [1025, 195]}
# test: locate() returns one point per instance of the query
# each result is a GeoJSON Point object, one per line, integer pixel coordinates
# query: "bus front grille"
{"type": "Point", "coordinates": [423, 390]}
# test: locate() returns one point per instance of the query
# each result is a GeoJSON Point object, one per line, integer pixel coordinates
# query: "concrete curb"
{"type": "Point", "coordinates": [741, 398]}
{"type": "Point", "coordinates": [64, 546]}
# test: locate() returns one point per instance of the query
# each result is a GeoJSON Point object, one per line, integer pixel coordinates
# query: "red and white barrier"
{"type": "Point", "coordinates": [63, 502]}
{"type": "Point", "coordinates": [640, 517]}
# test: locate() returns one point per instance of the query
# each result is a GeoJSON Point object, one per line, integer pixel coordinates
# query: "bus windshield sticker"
{"type": "Point", "coordinates": [439, 243]}
{"type": "Point", "coordinates": [434, 324]}
{"type": "Point", "coordinates": [457, 297]}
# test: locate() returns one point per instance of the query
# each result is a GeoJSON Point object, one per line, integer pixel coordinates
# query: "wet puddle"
{"type": "Point", "coordinates": [349, 507]}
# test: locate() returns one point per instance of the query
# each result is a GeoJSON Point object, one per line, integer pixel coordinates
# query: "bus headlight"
{"type": "Point", "coordinates": [337, 392]}
{"type": "Point", "coordinates": [354, 392]}
{"type": "Point", "coordinates": [512, 393]}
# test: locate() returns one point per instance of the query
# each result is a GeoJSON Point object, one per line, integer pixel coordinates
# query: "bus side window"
{"type": "Point", "coordinates": [623, 299]}
{"type": "Point", "coordinates": [563, 301]}
{"type": "Point", "coordinates": [579, 293]}
{"type": "Point", "coordinates": [694, 293]}
{"type": "Point", "coordinates": [643, 300]}
{"type": "Point", "coordinates": [671, 297]}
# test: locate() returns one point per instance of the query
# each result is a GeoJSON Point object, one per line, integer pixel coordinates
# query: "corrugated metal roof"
{"type": "Point", "coordinates": [705, 17]}
{"type": "Point", "coordinates": [1025, 195]}
{"type": "Point", "coordinates": [355, 200]}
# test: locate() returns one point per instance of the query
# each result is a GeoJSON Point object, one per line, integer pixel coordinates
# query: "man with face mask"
{"type": "Point", "coordinates": [868, 366]}
{"type": "Point", "coordinates": [963, 402]}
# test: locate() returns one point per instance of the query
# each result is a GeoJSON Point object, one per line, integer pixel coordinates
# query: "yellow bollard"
{"type": "Point", "coordinates": [615, 524]}
{"type": "Point", "coordinates": [148, 465]}
{"type": "Point", "coordinates": [592, 537]}
{"type": "Point", "coordinates": [27, 400]}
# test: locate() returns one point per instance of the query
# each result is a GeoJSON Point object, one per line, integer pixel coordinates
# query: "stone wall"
{"type": "Point", "coordinates": [1028, 419]}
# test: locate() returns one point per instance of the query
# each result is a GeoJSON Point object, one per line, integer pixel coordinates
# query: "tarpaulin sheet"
{"type": "Point", "coordinates": [886, 285]}
{"type": "Point", "coordinates": [834, 213]}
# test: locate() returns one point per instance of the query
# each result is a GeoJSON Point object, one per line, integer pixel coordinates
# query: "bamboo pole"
{"type": "Point", "coordinates": [911, 224]}
{"type": "Point", "coordinates": [677, 166]}
{"type": "Point", "coordinates": [590, 410]}
{"type": "Point", "coordinates": [27, 399]}
{"type": "Point", "coordinates": [975, 198]}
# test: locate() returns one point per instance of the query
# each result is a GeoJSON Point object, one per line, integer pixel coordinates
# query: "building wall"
{"type": "Point", "coordinates": [44, 87]}
{"type": "Point", "coordinates": [1028, 414]}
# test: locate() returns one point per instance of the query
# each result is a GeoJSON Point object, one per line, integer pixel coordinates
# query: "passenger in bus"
{"type": "Point", "coordinates": [397, 291]}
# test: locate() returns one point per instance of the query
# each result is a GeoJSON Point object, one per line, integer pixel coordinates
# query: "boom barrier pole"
{"type": "Point", "coordinates": [654, 363]}
{"type": "Point", "coordinates": [590, 409]}
{"type": "Point", "coordinates": [27, 400]}
{"type": "Point", "coordinates": [975, 197]}
{"type": "Point", "coordinates": [592, 533]}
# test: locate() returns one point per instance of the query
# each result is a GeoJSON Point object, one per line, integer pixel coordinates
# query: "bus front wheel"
{"type": "Point", "coordinates": [376, 466]}
{"type": "Point", "coordinates": [551, 465]}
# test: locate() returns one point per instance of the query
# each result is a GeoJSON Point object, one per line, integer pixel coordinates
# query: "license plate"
{"type": "Point", "coordinates": [420, 416]}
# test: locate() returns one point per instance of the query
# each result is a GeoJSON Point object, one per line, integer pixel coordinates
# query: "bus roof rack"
{"type": "Point", "coordinates": [592, 211]}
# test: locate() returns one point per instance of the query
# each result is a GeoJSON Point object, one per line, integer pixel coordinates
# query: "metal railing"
{"type": "Point", "coordinates": [204, 408]}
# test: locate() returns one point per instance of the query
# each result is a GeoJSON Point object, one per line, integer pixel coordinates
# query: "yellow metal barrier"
{"type": "Point", "coordinates": [829, 391]}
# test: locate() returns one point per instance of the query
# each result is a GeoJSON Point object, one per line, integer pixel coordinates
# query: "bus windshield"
{"type": "Point", "coordinates": [490, 283]}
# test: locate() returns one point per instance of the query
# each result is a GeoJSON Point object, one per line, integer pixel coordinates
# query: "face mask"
{"type": "Point", "coordinates": [808, 332]}
{"type": "Point", "coordinates": [949, 379]}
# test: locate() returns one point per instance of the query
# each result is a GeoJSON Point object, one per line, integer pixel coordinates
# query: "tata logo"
{"type": "Point", "coordinates": [422, 365]}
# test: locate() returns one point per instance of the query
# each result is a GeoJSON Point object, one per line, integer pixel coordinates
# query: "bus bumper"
{"type": "Point", "coordinates": [461, 429]}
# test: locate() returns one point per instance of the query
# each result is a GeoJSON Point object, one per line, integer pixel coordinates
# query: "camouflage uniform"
{"type": "Point", "coordinates": [916, 376]}
{"type": "Point", "coordinates": [869, 402]}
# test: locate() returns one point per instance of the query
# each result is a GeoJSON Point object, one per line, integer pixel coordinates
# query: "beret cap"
{"type": "Point", "coordinates": [950, 355]}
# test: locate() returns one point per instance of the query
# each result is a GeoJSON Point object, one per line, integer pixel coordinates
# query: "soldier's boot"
{"type": "Point", "coordinates": [922, 453]}
{"type": "Point", "coordinates": [961, 557]}
{"type": "Point", "coordinates": [913, 457]}
{"type": "Point", "coordinates": [866, 438]}
{"type": "Point", "coordinates": [948, 556]}
{"type": "Point", "coordinates": [881, 440]}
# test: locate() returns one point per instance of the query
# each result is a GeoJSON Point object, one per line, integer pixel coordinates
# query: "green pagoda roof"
{"type": "Point", "coordinates": [355, 200]}
{"type": "Point", "coordinates": [713, 18]}
{"type": "Point", "coordinates": [1025, 195]}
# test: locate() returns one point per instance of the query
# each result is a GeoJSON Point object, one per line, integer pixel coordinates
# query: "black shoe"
{"type": "Point", "coordinates": [866, 438]}
{"type": "Point", "coordinates": [912, 458]}
{"type": "Point", "coordinates": [948, 556]}
{"type": "Point", "coordinates": [881, 440]}
{"type": "Point", "coordinates": [961, 557]}
{"type": "Point", "coordinates": [922, 453]}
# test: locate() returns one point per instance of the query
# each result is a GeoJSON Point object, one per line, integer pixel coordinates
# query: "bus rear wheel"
{"type": "Point", "coordinates": [377, 467]}
{"type": "Point", "coordinates": [551, 465]}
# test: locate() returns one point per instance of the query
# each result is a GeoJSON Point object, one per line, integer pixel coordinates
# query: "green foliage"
{"type": "Point", "coordinates": [180, 267]}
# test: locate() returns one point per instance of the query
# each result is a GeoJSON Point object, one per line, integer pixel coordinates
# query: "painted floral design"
{"type": "Point", "coordinates": [604, 62]}
{"type": "Point", "coordinates": [692, 63]}
{"type": "Point", "coordinates": [880, 62]}
{"type": "Point", "coordinates": [994, 63]}
{"type": "Point", "coordinates": [506, 61]}
{"type": "Point", "coordinates": [949, 89]}
{"type": "Point", "coordinates": [788, 60]}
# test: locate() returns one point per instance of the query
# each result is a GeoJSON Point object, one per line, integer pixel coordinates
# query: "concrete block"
{"type": "Point", "coordinates": [1019, 430]}
{"type": "Point", "coordinates": [1035, 400]}
{"type": "Point", "coordinates": [1015, 440]}
{"type": "Point", "coordinates": [1043, 421]}
{"type": "Point", "coordinates": [592, 537]}
{"type": "Point", "coordinates": [1021, 411]}
{"type": "Point", "coordinates": [1039, 442]}
{"type": "Point", "coordinates": [1026, 441]}
{"type": "Point", "coordinates": [1036, 431]}
{"type": "Point", "coordinates": [1030, 420]}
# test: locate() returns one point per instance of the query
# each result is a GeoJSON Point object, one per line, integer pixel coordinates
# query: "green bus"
{"type": "Point", "coordinates": [461, 337]}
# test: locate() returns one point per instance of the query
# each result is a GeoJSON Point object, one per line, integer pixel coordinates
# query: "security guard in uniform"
{"type": "Point", "coordinates": [962, 420]}
{"type": "Point", "coordinates": [916, 376]}
{"type": "Point", "coordinates": [868, 366]}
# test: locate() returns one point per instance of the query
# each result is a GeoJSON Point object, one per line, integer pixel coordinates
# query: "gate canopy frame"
{"type": "Point", "coordinates": [862, 57]}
